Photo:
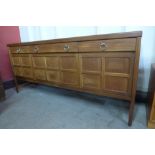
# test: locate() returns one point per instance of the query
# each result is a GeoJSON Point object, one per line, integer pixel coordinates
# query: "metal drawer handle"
{"type": "Point", "coordinates": [35, 49]}
{"type": "Point", "coordinates": [18, 50]}
{"type": "Point", "coordinates": [103, 45]}
{"type": "Point", "coordinates": [66, 47]}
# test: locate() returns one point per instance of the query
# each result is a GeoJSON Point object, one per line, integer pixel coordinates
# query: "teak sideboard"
{"type": "Point", "coordinates": [100, 64]}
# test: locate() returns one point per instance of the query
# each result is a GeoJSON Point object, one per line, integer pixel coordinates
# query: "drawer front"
{"type": "Point", "coordinates": [59, 47]}
{"type": "Point", "coordinates": [128, 44]}
{"type": "Point", "coordinates": [21, 49]}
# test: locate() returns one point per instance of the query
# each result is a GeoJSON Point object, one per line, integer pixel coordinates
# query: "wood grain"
{"type": "Point", "coordinates": [81, 64]}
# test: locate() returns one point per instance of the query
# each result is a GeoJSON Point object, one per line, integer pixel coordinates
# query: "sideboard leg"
{"type": "Point", "coordinates": [16, 85]}
{"type": "Point", "coordinates": [131, 111]}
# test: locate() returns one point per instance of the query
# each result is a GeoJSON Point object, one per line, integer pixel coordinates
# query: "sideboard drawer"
{"type": "Point", "coordinates": [128, 44]}
{"type": "Point", "coordinates": [21, 49]}
{"type": "Point", "coordinates": [57, 47]}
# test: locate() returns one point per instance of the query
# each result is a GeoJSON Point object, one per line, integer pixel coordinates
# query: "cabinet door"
{"type": "Point", "coordinates": [38, 62]}
{"type": "Point", "coordinates": [39, 67]}
{"type": "Point", "coordinates": [53, 68]}
{"type": "Point", "coordinates": [69, 72]}
{"type": "Point", "coordinates": [16, 60]}
{"type": "Point", "coordinates": [118, 69]}
{"type": "Point", "coordinates": [26, 60]}
{"type": "Point", "coordinates": [91, 71]}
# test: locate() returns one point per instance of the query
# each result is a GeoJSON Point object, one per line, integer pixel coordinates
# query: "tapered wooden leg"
{"type": "Point", "coordinates": [131, 111]}
{"type": "Point", "coordinates": [16, 85]}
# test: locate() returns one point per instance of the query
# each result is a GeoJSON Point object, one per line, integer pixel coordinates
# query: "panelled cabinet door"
{"type": "Point", "coordinates": [69, 71]}
{"type": "Point", "coordinates": [91, 71]}
{"type": "Point", "coordinates": [118, 69]}
{"type": "Point", "coordinates": [22, 65]}
{"type": "Point", "coordinates": [39, 67]}
{"type": "Point", "coordinates": [26, 60]}
{"type": "Point", "coordinates": [53, 68]}
{"type": "Point", "coordinates": [16, 60]}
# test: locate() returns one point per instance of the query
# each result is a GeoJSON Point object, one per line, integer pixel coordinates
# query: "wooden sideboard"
{"type": "Point", "coordinates": [151, 93]}
{"type": "Point", "coordinates": [100, 64]}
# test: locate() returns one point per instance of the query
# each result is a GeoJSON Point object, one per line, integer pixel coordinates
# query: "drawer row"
{"type": "Point", "coordinates": [128, 44]}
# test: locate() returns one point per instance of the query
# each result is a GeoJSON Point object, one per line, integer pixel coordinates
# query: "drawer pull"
{"type": "Point", "coordinates": [103, 45]}
{"type": "Point", "coordinates": [35, 49]}
{"type": "Point", "coordinates": [18, 50]}
{"type": "Point", "coordinates": [66, 48]}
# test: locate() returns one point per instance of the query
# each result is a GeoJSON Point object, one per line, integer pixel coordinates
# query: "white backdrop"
{"type": "Point", "coordinates": [33, 33]}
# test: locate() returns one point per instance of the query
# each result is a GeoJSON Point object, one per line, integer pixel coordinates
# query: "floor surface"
{"type": "Point", "coordinates": [41, 107]}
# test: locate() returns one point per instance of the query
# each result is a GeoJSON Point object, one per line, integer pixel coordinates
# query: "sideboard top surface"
{"type": "Point", "coordinates": [83, 38]}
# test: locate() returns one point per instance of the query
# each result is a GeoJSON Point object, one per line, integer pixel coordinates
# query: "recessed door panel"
{"type": "Point", "coordinates": [27, 72]}
{"type": "Point", "coordinates": [91, 64]}
{"type": "Point", "coordinates": [91, 71]}
{"type": "Point", "coordinates": [40, 74]}
{"type": "Point", "coordinates": [116, 84]}
{"type": "Point", "coordinates": [52, 62]}
{"type": "Point", "coordinates": [69, 62]}
{"type": "Point", "coordinates": [69, 78]}
{"type": "Point", "coordinates": [16, 60]}
{"type": "Point", "coordinates": [90, 81]}
{"type": "Point", "coordinates": [39, 62]}
{"type": "Point", "coordinates": [117, 65]}
{"type": "Point", "coordinates": [53, 76]}
{"type": "Point", "coordinates": [26, 61]}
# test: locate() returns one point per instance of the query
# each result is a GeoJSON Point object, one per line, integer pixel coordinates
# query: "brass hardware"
{"type": "Point", "coordinates": [66, 47]}
{"type": "Point", "coordinates": [103, 45]}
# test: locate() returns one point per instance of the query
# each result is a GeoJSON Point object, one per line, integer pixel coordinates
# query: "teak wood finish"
{"type": "Point", "coordinates": [101, 64]}
{"type": "Point", "coordinates": [151, 93]}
